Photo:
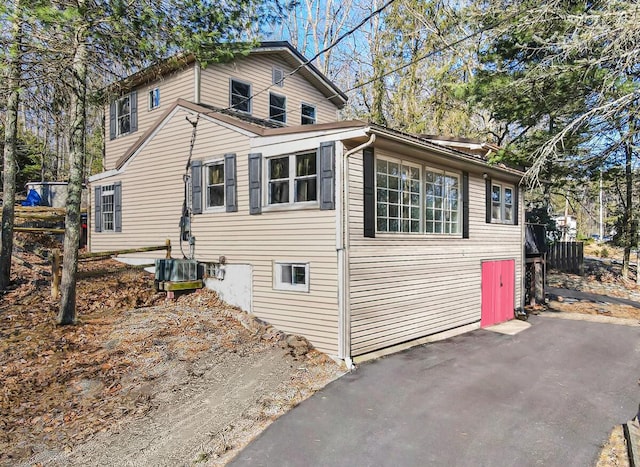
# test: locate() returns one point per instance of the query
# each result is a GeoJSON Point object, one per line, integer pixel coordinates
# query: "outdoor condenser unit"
{"type": "Point", "coordinates": [178, 270]}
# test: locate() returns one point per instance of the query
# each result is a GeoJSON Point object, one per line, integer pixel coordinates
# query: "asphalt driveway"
{"type": "Point", "coordinates": [547, 396]}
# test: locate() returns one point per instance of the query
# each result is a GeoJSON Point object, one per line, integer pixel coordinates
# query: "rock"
{"type": "Point", "coordinates": [298, 345]}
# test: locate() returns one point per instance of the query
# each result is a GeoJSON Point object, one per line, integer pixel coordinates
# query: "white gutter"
{"type": "Point", "coordinates": [344, 322]}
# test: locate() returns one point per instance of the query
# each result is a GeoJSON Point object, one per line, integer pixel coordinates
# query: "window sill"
{"type": "Point", "coordinates": [498, 222]}
{"type": "Point", "coordinates": [214, 210]}
{"type": "Point", "coordinates": [408, 235]}
{"type": "Point", "coordinates": [291, 207]}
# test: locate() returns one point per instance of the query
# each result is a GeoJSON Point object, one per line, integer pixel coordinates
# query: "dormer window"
{"type": "Point", "coordinates": [240, 96]}
{"type": "Point", "coordinates": [277, 108]}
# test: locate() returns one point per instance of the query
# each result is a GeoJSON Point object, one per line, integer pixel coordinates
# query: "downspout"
{"type": "Point", "coordinates": [344, 322]}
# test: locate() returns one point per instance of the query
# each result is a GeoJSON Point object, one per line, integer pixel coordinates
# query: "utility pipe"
{"type": "Point", "coordinates": [344, 345]}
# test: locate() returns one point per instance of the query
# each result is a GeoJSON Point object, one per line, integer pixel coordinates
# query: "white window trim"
{"type": "Point", "coordinates": [445, 173]}
{"type": "Point", "coordinates": [423, 168]}
{"type": "Point", "coordinates": [284, 110]}
{"type": "Point", "coordinates": [108, 192]}
{"type": "Point", "coordinates": [315, 113]}
{"type": "Point", "coordinates": [503, 187]}
{"type": "Point", "coordinates": [152, 91]}
{"type": "Point", "coordinates": [277, 275]}
{"type": "Point", "coordinates": [291, 205]}
{"type": "Point", "coordinates": [249, 99]}
{"type": "Point", "coordinates": [205, 187]}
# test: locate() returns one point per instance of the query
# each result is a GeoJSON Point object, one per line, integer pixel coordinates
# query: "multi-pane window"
{"type": "Point", "coordinates": [291, 276]}
{"type": "Point", "coordinates": [240, 98]}
{"type": "Point", "coordinates": [398, 196]}
{"type": "Point", "coordinates": [502, 203]}
{"type": "Point", "coordinates": [277, 108]}
{"type": "Point", "coordinates": [123, 115]}
{"type": "Point", "coordinates": [442, 202]}
{"type": "Point", "coordinates": [293, 178]}
{"type": "Point", "coordinates": [154, 98]}
{"type": "Point", "coordinates": [404, 203]}
{"type": "Point", "coordinates": [308, 113]}
{"type": "Point", "coordinates": [107, 203]}
{"type": "Point", "coordinates": [214, 176]}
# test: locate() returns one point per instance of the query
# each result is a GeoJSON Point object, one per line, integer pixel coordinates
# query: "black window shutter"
{"type": "Point", "coordinates": [488, 200]}
{"type": "Point", "coordinates": [97, 220]}
{"type": "Point", "coordinates": [516, 199]}
{"type": "Point", "coordinates": [255, 183]}
{"type": "Point", "coordinates": [327, 152]}
{"type": "Point", "coordinates": [133, 100]}
{"type": "Point", "coordinates": [196, 187]}
{"type": "Point", "coordinates": [112, 120]}
{"type": "Point", "coordinates": [230, 182]}
{"type": "Point", "coordinates": [465, 204]}
{"type": "Point", "coordinates": [369, 166]}
{"type": "Point", "coordinates": [117, 206]}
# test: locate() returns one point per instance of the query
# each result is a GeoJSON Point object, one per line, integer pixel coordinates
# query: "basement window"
{"type": "Point", "coordinates": [291, 276]}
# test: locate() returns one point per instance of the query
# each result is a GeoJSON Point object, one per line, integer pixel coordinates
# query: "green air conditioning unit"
{"type": "Point", "coordinates": [178, 270]}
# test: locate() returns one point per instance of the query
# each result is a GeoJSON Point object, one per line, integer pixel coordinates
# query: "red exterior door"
{"type": "Point", "coordinates": [498, 285]}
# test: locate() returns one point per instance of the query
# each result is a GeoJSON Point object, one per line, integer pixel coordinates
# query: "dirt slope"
{"type": "Point", "coordinates": [139, 381]}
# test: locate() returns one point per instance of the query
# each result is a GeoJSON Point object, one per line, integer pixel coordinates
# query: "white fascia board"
{"type": "Point", "coordinates": [103, 175]}
{"type": "Point", "coordinates": [286, 144]}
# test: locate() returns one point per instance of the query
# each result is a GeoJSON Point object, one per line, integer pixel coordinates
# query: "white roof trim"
{"type": "Point", "coordinates": [103, 175]}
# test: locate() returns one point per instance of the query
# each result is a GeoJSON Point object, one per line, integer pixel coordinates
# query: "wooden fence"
{"type": "Point", "coordinates": [56, 261]}
{"type": "Point", "coordinates": [566, 257]}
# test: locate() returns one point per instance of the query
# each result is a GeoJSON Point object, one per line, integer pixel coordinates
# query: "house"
{"type": "Point", "coordinates": [353, 235]}
{"type": "Point", "coordinates": [567, 226]}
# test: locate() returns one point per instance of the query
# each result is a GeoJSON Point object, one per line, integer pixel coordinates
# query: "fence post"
{"type": "Point", "coordinates": [168, 245]}
{"type": "Point", "coordinates": [55, 273]}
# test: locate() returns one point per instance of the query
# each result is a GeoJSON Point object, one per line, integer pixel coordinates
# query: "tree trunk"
{"type": "Point", "coordinates": [67, 314]}
{"type": "Point", "coordinates": [10, 147]}
{"type": "Point", "coordinates": [627, 218]}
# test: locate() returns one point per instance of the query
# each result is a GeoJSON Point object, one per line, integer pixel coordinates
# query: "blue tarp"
{"type": "Point", "coordinates": [33, 199]}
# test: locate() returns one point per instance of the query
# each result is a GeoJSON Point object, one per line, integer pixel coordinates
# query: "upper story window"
{"type": "Point", "coordinates": [292, 179]}
{"type": "Point", "coordinates": [411, 198]}
{"type": "Point", "coordinates": [502, 203]}
{"type": "Point", "coordinates": [240, 96]}
{"type": "Point", "coordinates": [214, 179]}
{"type": "Point", "coordinates": [123, 115]}
{"type": "Point", "coordinates": [308, 114]}
{"type": "Point", "coordinates": [277, 108]}
{"type": "Point", "coordinates": [154, 98]}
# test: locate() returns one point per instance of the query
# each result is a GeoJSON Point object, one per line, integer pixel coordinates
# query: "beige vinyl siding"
{"type": "Point", "coordinates": [406, 286]}
{"type": "Point", "coordinates": [152, 195]}
{"type": "Point", "coordinates": [257, 71]}
{"type": "Point", "coordinates": [179, 84]}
